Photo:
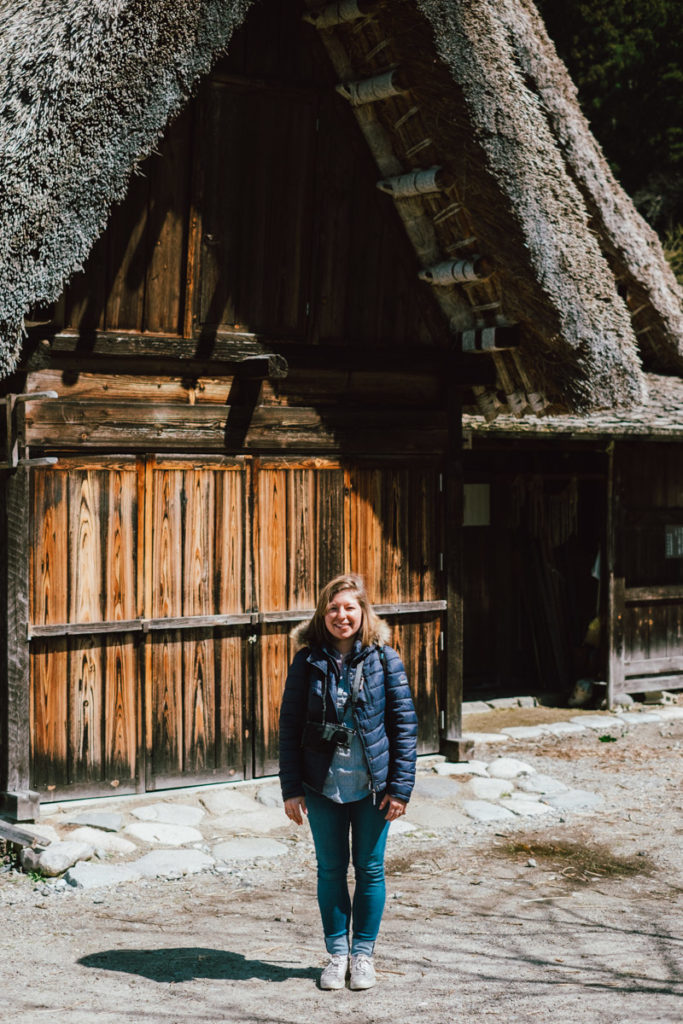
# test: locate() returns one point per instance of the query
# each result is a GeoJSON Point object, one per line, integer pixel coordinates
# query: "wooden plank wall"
{"type": "Point", "coordinates": [195, 565]}
{"type": "Point", "coordinates": [84, 692]}
{"type": "Point", "coordinates": [267, 185]}
{"type": "Point", "coordinates": [114, 544]}
{"type": "Point", "coordinates": [315, 521]}
{"type": "Point", "coordinates": [650, 498]}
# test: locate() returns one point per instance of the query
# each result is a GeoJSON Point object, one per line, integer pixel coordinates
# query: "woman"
{"type": "Point", "coordinates": [348, 739]}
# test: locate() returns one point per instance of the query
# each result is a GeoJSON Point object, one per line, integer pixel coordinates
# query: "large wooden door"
{"type": "Point", "coordinates": [84, 608]}
{"type": "Point", "coordinates": [318, 518]}
{"type": "Point", "coordinates": [164, 591]}
{"type": "Point", "coordinates": [197, 593]}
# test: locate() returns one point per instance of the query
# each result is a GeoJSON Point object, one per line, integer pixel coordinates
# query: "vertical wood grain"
{"type": "Point", "coordinates": [199, 568]}
{"type": "Point", "coordinates": [230, 542]}
{"type": "Point", "coordinates": [49, 604]}
{"type": "Point", "coordinates": [167, 228]}
{"type": "Point", "coordinates": [86, 669]}
{"type": "Point", "coordinates": [230, 675]}
{"type": "Point", "coordinates": [166, 584]}
{"type": "Point", "coordinates": [120, 651]}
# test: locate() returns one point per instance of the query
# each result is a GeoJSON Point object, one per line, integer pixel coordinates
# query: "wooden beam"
{"type": "Point", "coordinates": [272, 366]}
{"type": "Point", "coordinates": [60, 629]}
{"type": "Point", "coordinates": [20, 836]}
{"type": "Point", "coordinates": [234, 350]}
{"type": "Point", "coordinates": [645, 595]}
{"type": "Point", "coordinates": [175, 426]}
{"type": "Point", "coordinates": [16, 798]}
{"type": "Point", "coordinates": [615, 586]}
{"type": "Point", "coordinates": [451, 743]}
{"type": "Point", "coordinates": [490, 339]}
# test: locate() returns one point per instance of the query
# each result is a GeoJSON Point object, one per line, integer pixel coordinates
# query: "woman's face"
{"type": "Point", "coordinates": [343, 618]}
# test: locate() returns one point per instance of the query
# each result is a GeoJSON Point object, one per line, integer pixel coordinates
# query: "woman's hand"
{"type": "Point", "coordinates": [396, 807]}
{"type": "Point", "coordinates": [295, 809]}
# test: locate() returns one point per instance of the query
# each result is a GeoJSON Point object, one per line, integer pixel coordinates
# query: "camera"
{"type": "Point", "coordinates": [325, 737]}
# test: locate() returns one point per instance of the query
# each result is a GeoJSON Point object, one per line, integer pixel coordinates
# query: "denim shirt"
{"type": "Point", "coordinates": [348, 778]}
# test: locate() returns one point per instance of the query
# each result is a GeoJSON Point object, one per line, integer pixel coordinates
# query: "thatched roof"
{"type": "Point", "coordinates": [87, 88]}
{"type": "Point", "coordinates": [659, 419]}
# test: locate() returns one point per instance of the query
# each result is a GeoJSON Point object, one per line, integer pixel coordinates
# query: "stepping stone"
{"type": "Point", "coordinates": [509, 768]}
{"type": "Point", "coordinates": [575, 800]}
{"type": "Point", "coordinates": [565, 728]}
{"type": "Point", "coordinates": [545, 785]}
{"type": "Point", "coordinates": [270, 796]}
{"type": "Point", "coordinates": [225, 801]}
{"type": "Point", "coordinates": [99, 819]}
{"type": "Point", "coordinates": [172, 863]}
{"type": "Point", "coordinates": [504, 702]}
{"type": "Point", "coordinates": [432, 816]}
{"type": "Point", "coordinates": [56, 858]}
{"type": "Point", "coordinates": [102, 840]}
{"type": "Point", "coordinates": [400, 827]}
{"type": "Point", "coordinates": [485, 737]}
{"type": "Point", "coordinates": [461, 768]}
{"type": "Point", "coordinates": [94, 876]}
{"type": "Point", "coordinates": [605, 724]}
{"type": "Point", "coordinates": [524, 732]}
{"type": "Point", "coordinates": [252, 821]}
{"type": "Point", "coordinates": [249, 849]}
{"type": "Point", "coordinates": [435, 788]}
{"type": "Point", "coordinates": [475, 707]}
{"type": "Point", "coordinates": [169, 814]}
{"type": "Point", "coordinates": [167, 835]}
{"type": "Point", "coordinates": [526, 808]}
{"type": "Point", "coordinates": [640, 717]}
{"type": "Point", "coordinates": [481, 810]}
{"type": "Point", "coordinates": [668, 713]}
{"type": "Point", "coordinates": [488, 789]}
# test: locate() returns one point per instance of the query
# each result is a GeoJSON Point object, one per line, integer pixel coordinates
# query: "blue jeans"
{"type": "Point", "coordinates": [330, 824]}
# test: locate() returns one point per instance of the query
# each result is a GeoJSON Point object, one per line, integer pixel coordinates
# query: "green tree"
{"type": "Point", "coordinates": [625, 58]}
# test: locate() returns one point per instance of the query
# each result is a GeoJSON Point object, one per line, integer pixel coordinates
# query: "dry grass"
{"type": "Point", "coordinates": [502, 718]}
{"type": "Point", "coordinates": [580, 863]}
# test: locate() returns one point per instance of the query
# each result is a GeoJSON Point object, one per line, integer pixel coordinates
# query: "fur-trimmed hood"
{"type": "Point", "coordinates": [381, 637]}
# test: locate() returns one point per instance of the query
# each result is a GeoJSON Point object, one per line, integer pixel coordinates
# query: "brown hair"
{"type": "Point", "coordinates": [316, 634]}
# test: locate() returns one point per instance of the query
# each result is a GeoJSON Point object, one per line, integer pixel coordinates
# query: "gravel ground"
{"type": "Point", "coordinates": [579, 920]}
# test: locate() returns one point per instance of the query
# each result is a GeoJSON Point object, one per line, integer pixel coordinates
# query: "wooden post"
{"type": "Point", "coordinates": [16, 798]}
{"type": "Point", "coordinates": [452, 744]}
{"type": "Point", "coordinates": [614, 612]}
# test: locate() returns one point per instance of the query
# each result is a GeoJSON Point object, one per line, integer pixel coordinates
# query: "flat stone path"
{"type": "Point", "coordinates": [224, 827]}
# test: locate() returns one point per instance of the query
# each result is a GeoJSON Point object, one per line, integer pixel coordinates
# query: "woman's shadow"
{"type": "Point", "coordinates": [186, 963]}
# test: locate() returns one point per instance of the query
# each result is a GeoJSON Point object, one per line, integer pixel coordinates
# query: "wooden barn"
{"type": "Point", "coordinates": [253, 259]}
{"type": "Point", "coordinates": [573, 561]}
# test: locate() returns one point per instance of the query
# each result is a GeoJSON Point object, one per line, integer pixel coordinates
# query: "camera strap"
{"type": "Point", "coordinates": [355, 690]}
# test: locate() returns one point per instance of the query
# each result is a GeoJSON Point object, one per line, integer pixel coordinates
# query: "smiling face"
{"type": "Point", "coordinates": [343, 619]}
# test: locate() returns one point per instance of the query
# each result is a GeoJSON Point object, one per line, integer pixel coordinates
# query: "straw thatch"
{"type": "Point", "coordinates": [660, 419]}
{"type": "Point", "coordinates": [88, 87]}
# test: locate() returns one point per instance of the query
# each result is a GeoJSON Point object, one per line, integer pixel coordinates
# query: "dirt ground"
{"type": "Point", "coordinates": [578, 921]}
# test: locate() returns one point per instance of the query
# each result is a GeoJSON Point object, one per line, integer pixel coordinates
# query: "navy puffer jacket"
{"type": "Point", "coordinates": [385, 718]}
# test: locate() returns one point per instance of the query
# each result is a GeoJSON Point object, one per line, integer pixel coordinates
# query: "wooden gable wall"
{"type": "Point", "coordinates": [259, 214]}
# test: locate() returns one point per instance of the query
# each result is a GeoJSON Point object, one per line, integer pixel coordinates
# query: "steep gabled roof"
{"type": "Point", "coordinates": [527, 211]}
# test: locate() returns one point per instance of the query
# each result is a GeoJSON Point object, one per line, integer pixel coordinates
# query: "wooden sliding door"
{"type": "Point", "coordinates": [164, 590]}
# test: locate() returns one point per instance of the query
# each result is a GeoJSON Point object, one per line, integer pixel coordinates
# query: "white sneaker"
{"type": "Point", "coordinates": [334, 975]}
{"type": "Point", "coordinates": [362, 972]}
